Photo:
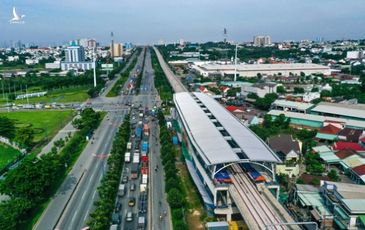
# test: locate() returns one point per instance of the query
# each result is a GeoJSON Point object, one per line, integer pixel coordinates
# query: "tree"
{"type": "Point", "coordinates": [333, 175]}
{"type": "Point", "coordinates": [326, 93]}
{"type": "Point", "coordinates": [24, 136]}
{"type": "Point", "coordinates": [7, 127]}
{"type": "Point", "coordinates": [298, 90]}
{"type": "Point", "coordinates": [175, 198]}
{"type": "Point", "coordinates": [280, 89]}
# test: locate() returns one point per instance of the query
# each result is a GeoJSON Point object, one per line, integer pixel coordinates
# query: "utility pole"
{"type": "Point", "coordinates": [26, 93]}
{"type": "Point", "coordinates": [235, 65]}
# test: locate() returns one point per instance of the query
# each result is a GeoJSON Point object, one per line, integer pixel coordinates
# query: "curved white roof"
{"type": "Point", "coordinates": [213, 145]}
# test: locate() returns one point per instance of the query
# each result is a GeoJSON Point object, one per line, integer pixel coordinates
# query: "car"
{"type": "Point", "coordinates": [118, 206]}
{"type": "Point", "coordinates": [132, 202]}
{"type": "Point", "coordinates": [124, 179]}
{"type": "Point", "coordinates": [129, 216]}
{"type": "Point", "coordinates": [133, 187]}
{"type": "Point", "coordinates": [115, 218]}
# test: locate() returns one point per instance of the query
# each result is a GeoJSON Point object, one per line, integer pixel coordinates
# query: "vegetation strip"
{"type": "Point", "coordinates": [176, 196]}
{"type": "Point", "coordinates": [161, 82]}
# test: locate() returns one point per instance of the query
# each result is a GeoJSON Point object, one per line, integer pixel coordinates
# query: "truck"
{"type": "Point", "coordinates": [136, 158]}
{"type": "Point", "coordinates": [121, 190]}
{"type": "Point", "coordinates": [141, 222]}
{"type": "Point", "coordinates": [146, 130]}
{"type": "Point", "coordinates": [144, 179]}
{"type": "Point", "coordinates": [142, 188]}
{"type": "Point", "coordinates": [139, 132]}
{"type": "Point", "coordinates": [127, 157]}
{"type": "Point", "coordinates": [129, 145]}
{"type": "Point", "coordinates": [134, 171]}
{"type": "Point", "coordinates": [144, 147]}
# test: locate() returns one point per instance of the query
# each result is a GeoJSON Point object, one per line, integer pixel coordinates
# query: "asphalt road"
{"type": "Point", "coordinates": [71, 205]}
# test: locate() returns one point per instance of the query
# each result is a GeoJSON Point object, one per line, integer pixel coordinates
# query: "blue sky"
{"type": "Point", "coordinates": [147, 21]}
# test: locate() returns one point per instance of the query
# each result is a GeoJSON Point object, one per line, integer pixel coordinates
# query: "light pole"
{"type": "Point", "coordinates": [94, 60]}
{"type": "Point", "coordinates": [235, 64]}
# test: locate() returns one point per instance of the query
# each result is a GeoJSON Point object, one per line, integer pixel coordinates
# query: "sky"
{"type": "Point", "coordinates": [50, 22]}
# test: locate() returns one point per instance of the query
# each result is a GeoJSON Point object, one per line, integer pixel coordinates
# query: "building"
{"type": "Point", "coordinates": [346, 202]}
{"type": "Point", "coordinates": [260, 89]}
{"type": "Point", "coordinates": [262, 40]}
{"type": "Point", "coordinates": [212, 139]}
{"type": "Point", "coordinates": [292, 106]}
{"type": "Point", "coordinates": [75, 59]}
{"type": "Point", "coordinates": [338, 110]}
{"type": "Point", "coordinates": [74, 54]}
{"type": "Point", "coordinates": [252, 70]}
{"type": "Point", "coordinates": [289, 151]}
{"type": "Point", "coordinates": [116, 49]}
{"type": "Point", "coordinates": [53, 65]}
{"type": "Point", "coordinates": [353, 55]}
{"type": "Point", "coordinates": [88, 43]}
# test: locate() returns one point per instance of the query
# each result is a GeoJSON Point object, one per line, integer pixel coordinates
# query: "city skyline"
{"type": "Point", "coordinates": [146, 22]}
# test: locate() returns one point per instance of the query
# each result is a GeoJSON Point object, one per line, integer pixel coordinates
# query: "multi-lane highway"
{"type": "Point", "coordinates": [71, 205]}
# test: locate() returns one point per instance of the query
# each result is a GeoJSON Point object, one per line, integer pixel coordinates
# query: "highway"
{"type": "Point", "coordinates": [71, 205]}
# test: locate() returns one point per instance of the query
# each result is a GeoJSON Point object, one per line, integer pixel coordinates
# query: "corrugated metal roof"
{"type": "Point", "coordinates": [355, 205]}
{"type": "Point", "coordinates": [341, 109]}
{"type": "Point", "coordinates": [253, 147]}
{"type": "Point", "coordinates": [210, 143]}
{"type": "Point", "coordinates": [318, 118]}
{"type": "Point", "coordinates": [292, 104]}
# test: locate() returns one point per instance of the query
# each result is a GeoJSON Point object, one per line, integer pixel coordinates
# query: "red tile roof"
{"type": "Point", "coordinates": [342, 154]}
{"type": "Point", "coordinates": [231, 108]}
{"type": "Point", "coordinates": [341, 145]}
{"type": "Point", "coordinates": [359, 170]}
{"type": "Point", "coordinates": [362, 140]}
{"type": "Point", "coordinates": [330, 129]}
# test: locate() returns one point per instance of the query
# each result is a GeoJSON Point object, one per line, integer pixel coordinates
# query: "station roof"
{"type": "Point", "coordinates": [211, 141]}
{"type": "Point", "coordinates": [263, 67]}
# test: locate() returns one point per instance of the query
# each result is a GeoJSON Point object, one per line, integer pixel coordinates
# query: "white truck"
{"type": "Point", "coordinates": [127, 157]}
{"type": "Point", "coordinates": [136, 158]}
{"type": "Point", "coordinates": [129, 145]}
{"type": "Point", "coordinates": [144, 179]}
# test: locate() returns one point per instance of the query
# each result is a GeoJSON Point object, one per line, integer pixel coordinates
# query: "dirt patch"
{"type": "Point", "coordinates": [193, 219]}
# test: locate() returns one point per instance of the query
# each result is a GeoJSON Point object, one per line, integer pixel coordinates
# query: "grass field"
{"type": "Point", "coordinates": [45, 123]}
{"type": "Point", "coordinates": [7, 155]}
{"type": "Point", "coordinates": [72, 94]}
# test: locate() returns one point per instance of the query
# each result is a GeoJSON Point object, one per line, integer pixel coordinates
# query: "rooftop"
{"type": "Point", "coordinates": [263, 67]}
{"type": "Point", "coordinates": [357, 111]}
{"type": "Point", "coordinates": [292, 104]}
{"type": "Point", "coordinates": [205, 118]}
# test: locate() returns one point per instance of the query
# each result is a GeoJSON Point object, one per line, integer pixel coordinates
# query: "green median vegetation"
{"type": "Point", "coordinates": [7, 155]}
{"type": "Point", "coordinates": [123, 78]}
{"type": "Point", "coordinates": [35, 180]}
{"type": "Point", "coordinates": [176, 196]}
{"type": "Point", "coordinates": [161, 83]}
{"type": "Point", "coordinates": [100, 218]}
{"type": "Point", "coordinates": [140, 74]}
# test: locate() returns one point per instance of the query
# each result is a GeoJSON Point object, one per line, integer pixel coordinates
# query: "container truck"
{"type": "Point", "coordinates": [146, 130]}
{"type": "Point", "coordinates": [134, 171]}
{"type": "Point", "coordinates": [144, 179]}
{"type": "Point", "coordinates": [127, 157]}
{"type": "Point", "coordinates": [139, 132]}
{"type": "Point", "coordinates": [136, 158]}
{"type": "Point", "coordinates": [145, 147]}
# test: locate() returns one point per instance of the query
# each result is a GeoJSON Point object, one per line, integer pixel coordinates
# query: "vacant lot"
{"type": "Point", "coordinates": [7, 155]}
{"type": "Point", "coordinates": [45, 123]}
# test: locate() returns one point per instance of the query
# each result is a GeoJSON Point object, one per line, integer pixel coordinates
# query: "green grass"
{"type": "Point", "coordinates": [7, 155]}
{"type": "Point", "coordinates": [72, 94]}
{"type": "Point", "coordinates": [45, 123]}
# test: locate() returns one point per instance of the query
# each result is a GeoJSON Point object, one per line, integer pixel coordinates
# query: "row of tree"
{"type": "Point", "coordinates": [161, 83]}
{"type": "Point", "coordinates": [140, 74]}
{"type": "Point", "coordinates": [174, 189]}
{"type": "Point", "coordinates": [123, 78]}
{"type": "Point", "coordinates": [100, 218]}
{"type": "Point", "coordinates": [35, 180]}
{"type": "Point", "coordinates": [23, 136]}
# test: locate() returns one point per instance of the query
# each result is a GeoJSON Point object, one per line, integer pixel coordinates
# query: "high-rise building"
{"type": "Point", "coordinates": [116, 49]}
{"type": "Point", "coordinates": [75, 54]}
{"type": "Point", "coordinates": [262, 40]}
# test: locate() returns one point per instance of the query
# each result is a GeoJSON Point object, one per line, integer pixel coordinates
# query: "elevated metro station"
{"type": "Point", "coordinates": [229, 164]}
